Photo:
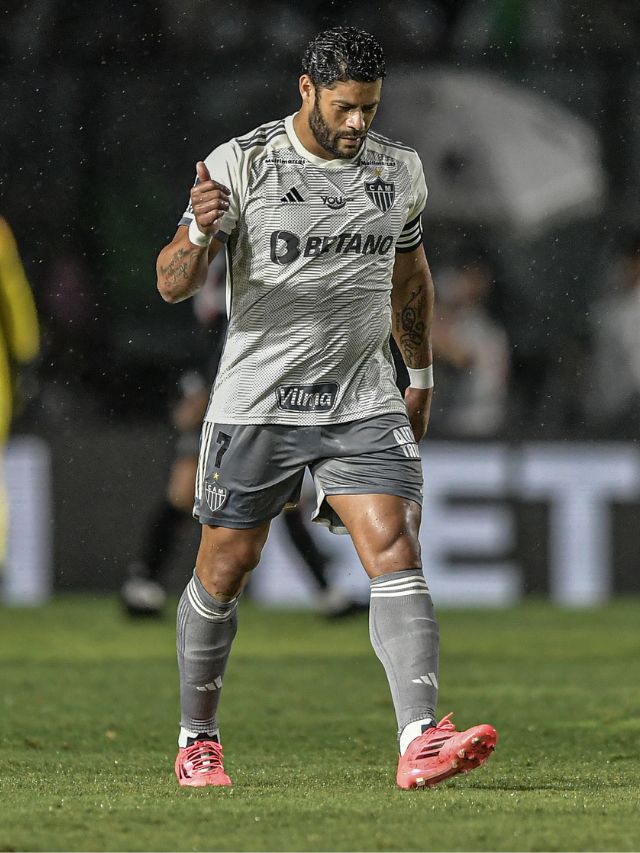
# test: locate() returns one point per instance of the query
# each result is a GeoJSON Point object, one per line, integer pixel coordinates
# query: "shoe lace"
{"type": "Point", "coordinates": [435, 738]}
{"type": "Point", "coordinates": [204, 756]}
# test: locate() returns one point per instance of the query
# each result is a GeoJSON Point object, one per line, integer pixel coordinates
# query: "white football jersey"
{"type": "Point", "coordinates": [311, 245]}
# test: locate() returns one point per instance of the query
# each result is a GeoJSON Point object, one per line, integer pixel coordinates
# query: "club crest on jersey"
{"type": "Point", "coordinates": [216, 496]}
{"type": "Point", "coordinates": [381, 193]}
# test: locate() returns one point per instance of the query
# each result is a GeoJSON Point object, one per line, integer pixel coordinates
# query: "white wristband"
{"type": "Point", "coordinates": [196, 236]}
{"type": "Point", "coordinates": [422, 378]}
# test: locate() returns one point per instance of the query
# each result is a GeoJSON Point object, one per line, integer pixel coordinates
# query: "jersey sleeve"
{"type": "Point", "coordinates": [224, 166]}
{"type": "Point", "coordinates": [411, 236]}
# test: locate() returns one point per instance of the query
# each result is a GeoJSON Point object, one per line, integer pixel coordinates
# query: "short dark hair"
{"type": "Point", "coordinates": [341, 54]}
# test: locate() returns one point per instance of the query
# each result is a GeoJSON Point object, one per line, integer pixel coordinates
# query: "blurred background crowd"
{"type": "Point", "coordinates": [106, 107]}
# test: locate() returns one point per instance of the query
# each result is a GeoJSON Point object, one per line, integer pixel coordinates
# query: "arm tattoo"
{"type": "Point", "coordinates": [412, 327]}
{"type": "Point", "coordinates": [179, 268]}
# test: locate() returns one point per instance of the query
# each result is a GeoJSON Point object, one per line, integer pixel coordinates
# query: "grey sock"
{"type": "Point", "coordinates": [404, 634]}
{"type": "Point", "coordinates": [205, 630]}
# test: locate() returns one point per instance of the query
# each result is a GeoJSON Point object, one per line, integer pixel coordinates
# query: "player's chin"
{"type": "Point", "coordinates": [349, 147]}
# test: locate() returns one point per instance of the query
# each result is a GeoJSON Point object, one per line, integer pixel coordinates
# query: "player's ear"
{"type": "Point", "coordinates": [307, 89]}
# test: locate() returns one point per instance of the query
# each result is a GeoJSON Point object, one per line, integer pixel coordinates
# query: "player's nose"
{"type": "Point", "coordinates": [355, 120]}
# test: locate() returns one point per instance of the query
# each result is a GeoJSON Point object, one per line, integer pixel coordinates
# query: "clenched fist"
{"type": "Point", "coordinates": [209, 200]}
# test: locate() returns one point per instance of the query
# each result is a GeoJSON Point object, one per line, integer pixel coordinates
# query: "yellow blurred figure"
{"type": "Point", "coordinates": [19, 343]}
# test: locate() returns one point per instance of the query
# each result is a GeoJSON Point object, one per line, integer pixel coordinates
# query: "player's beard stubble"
{"type": "Point", "coordinates": [326, 138]}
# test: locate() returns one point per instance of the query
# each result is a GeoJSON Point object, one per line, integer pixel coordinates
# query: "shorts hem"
{"type": "Point", "coordinates": [375, 490]}
{"type": "Point", "coordinates": [339, 529]}
{"type": "Point", "coordinates": [234, 525]}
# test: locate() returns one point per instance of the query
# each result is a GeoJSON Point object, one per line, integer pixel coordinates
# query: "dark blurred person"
{"type": "Point", "coordinates": [321, 222]}
{"type": "Point", "coordinates": [613, 392]}
{"type": "Point", "coordinates": [74, 339]}
{"type": "Point", "coordinates": [473, 353]}
{"type": "Point", "coordinates": [19, 345]}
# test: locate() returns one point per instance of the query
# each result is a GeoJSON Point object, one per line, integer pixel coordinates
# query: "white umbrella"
{"type": "Point", "coordinates": [494, 152]}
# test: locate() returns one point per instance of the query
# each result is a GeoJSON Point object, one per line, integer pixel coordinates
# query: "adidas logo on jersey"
{"type": "Point", "coordinates": [292, 196]}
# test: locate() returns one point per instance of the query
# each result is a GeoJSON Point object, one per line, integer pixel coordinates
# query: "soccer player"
{"type": "Point", "coordinates": [320, 220]}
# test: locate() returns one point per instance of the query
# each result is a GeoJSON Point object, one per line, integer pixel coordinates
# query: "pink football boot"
{"type": "Point", "coordinates": [442, 752]}
{"type": "Point", "coordinates": [200, 764]}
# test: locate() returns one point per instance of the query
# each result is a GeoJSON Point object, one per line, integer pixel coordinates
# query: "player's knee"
{"type": "Point", "coordinates": [224, 577]}
{"type": "Point", "coordinates": [237, 561]}
{"type": "Point", "coordinates": [399, 533]}
{"type": "Point", "coordinates": [245, 556]}
{"type": "Point", "coordinates": [403, 551]}
{"type": "Point", "coordinates": [396, 548]}
{"type": "Point", "coordinates": [228, 555]}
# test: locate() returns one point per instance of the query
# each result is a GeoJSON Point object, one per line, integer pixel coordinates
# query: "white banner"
{"type": "Point", "coordinates": [28, 576]}
{"type": "Point", "coordinates": [469, 527]}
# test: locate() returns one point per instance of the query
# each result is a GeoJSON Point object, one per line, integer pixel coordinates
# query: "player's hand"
{"type": "Point", "coordinates": [418, 403]}
{"type": "Point", "coordinates": [209, 200]}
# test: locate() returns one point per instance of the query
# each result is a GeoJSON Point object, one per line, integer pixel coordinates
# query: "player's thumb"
{"type": "Point", "coordinates": [202, 172]}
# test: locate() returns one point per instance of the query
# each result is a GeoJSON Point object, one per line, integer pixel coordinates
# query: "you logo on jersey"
{"type": "Point", "coordinates": [286, 247]}
{"type": "Point", "coordinates": [335, 202]}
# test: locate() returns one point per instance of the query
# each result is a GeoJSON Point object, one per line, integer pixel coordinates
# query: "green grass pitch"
{"type": "Point", "coordinates": [89, 725]}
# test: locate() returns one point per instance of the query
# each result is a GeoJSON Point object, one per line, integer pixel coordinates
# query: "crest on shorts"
{"type": "Point", "coordinates": [381, 193]}
{"type": "Point", "coordinates": [216, 496]}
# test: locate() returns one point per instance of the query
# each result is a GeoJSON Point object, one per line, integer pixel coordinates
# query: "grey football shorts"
{"type": "Point", "coordinates": [247, 473]}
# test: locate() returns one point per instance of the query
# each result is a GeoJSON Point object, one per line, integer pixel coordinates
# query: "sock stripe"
{"type": "Point", "coordinates": [386, 580]}
{"type": "Point", "coordinates": [194, 602]}
{"type": "Point", "coordinates": [200, 607]}
{"type": "Point", "coordinates": [396, 594]}
{"type": "Point", "coordinates": [398, 585]}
